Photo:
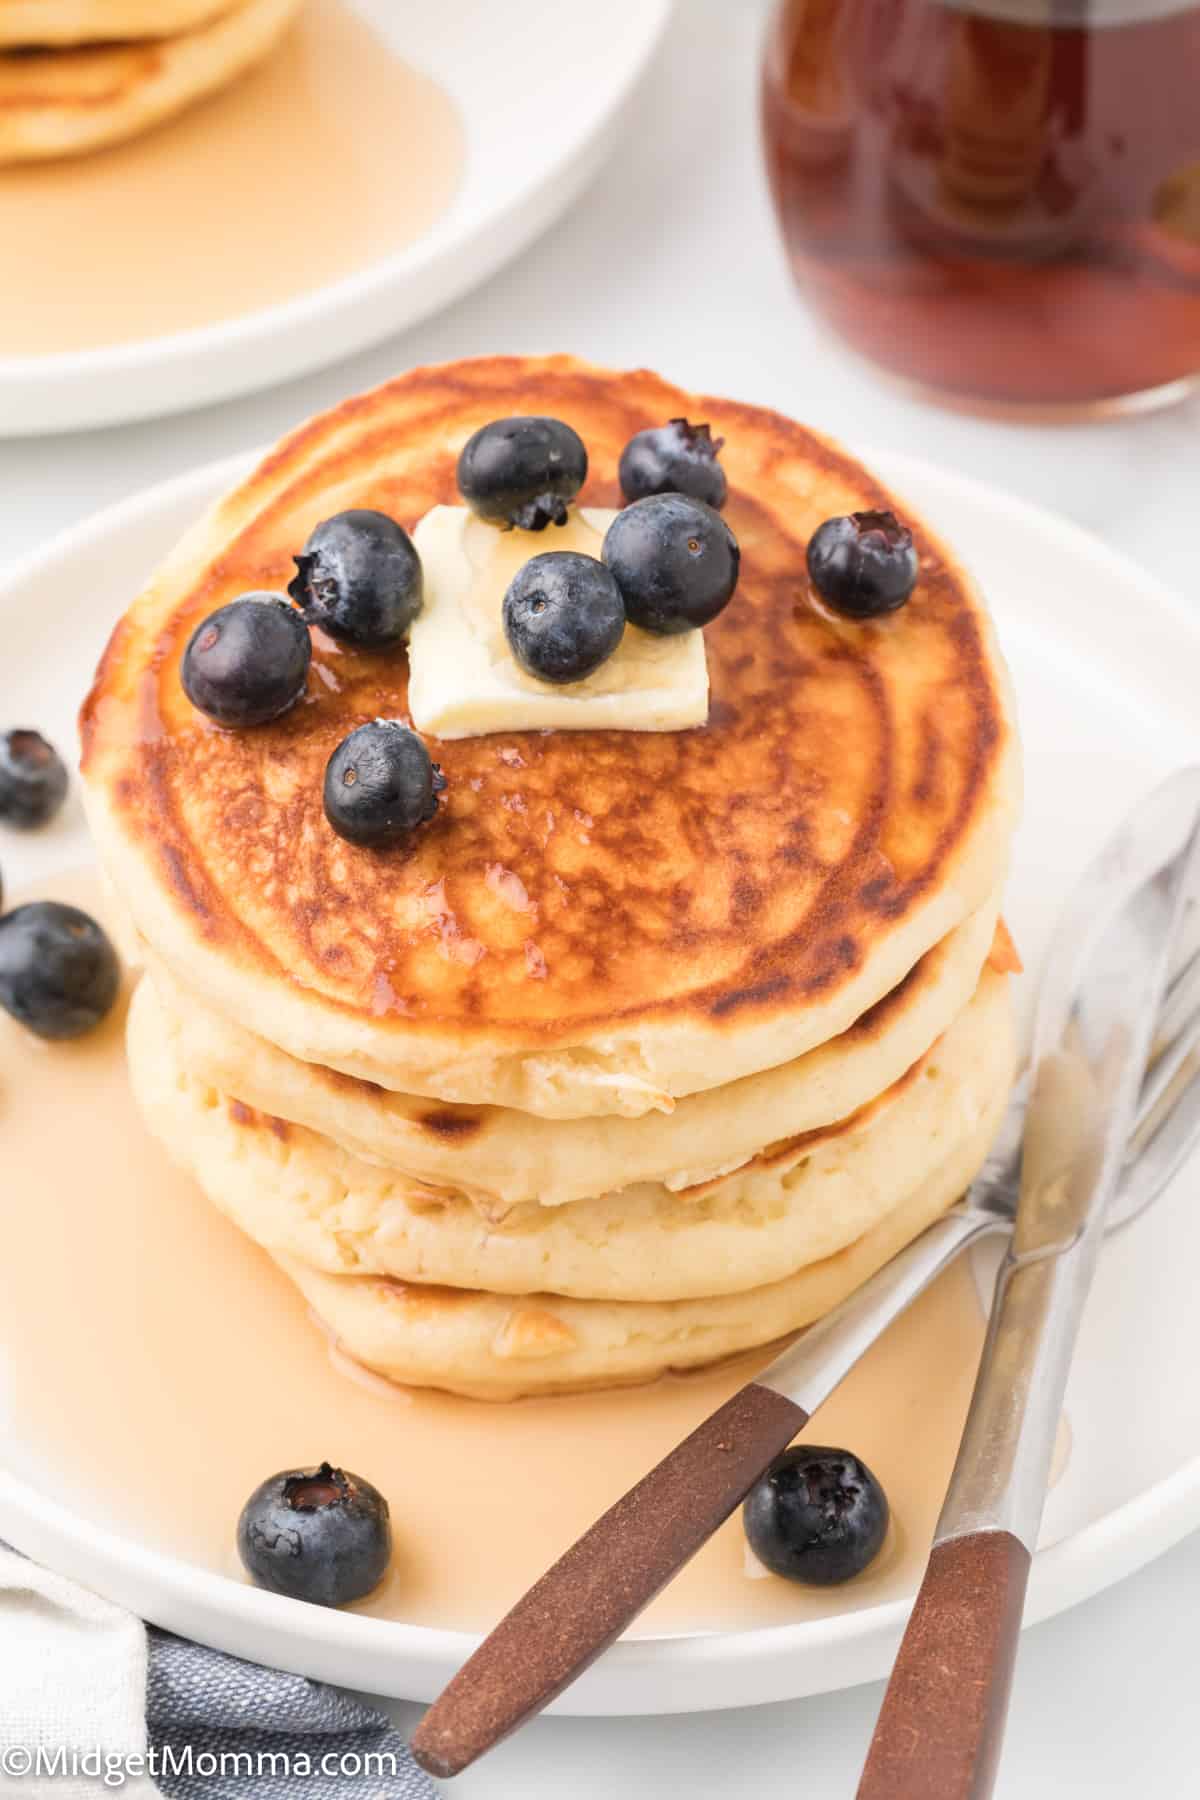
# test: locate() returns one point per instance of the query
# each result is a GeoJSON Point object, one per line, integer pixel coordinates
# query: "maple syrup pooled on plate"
{"type": "Point", "coordinates": [331, 155]}
{"type": "Point", "coordinates": [155, 1366]}
{"type": "Point", "coordinates": [998, 200]}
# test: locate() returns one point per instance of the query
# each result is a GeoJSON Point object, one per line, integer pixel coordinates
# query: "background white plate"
{"type": "Point", "coordinates": [541, 85]}
{"type": "Point", "coordinates": [1104, 661]}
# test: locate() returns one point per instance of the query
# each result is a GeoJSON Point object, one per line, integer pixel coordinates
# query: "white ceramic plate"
{"type": "Point", "coordinates": [541, 86]}
{"type": "Point", "coordinates": [1105, 664]}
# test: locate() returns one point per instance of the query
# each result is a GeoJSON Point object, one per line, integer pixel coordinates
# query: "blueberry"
{"type": "Point", "coordinates": [522, 472]}
{"type": "Point", "coordinates": [59, 974]}
{"type": "Point", "coordinates": [380, 785]}
{"type": "Point", "coordinates": [316, 1534]}
{"type": "Point", "coordinates": [33, 779]}
{"type": "Point", "coordinates": [675, 561]}
{"type": "Point", "coordinates": [676, 458]}
{"type": "Point", "coordinates": [247, 662]}
{"type": "Point", "coordinates": [563, 616]}
{"type": "Point", "coordinates": [864, 564]}
{"type": "Point", "coordinates": [359, 579]}
{"type": "Point", "coordinates": [817, 1516]}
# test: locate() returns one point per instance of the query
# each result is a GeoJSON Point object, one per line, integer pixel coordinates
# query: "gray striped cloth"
{"type": "Point", "coordinates": [257, 1734]}
{"type": "Point", "coordinates": [92, 1702]}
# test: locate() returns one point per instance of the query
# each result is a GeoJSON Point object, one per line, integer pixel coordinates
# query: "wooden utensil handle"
{"type": "Point", "coordinates": [605, 1579]}
{"type": "Point", "coordinates": [942, 1719]}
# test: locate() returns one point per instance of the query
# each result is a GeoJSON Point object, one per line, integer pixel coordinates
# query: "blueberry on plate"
{"type": "Point", "coordinates": [563, 616]}
{"type": "Point", "coordinates": [676, 458]}
{"type": "Point", "coordinates": [863, 565]}
{"type": "Point", "coordinates": [817, 1516]}
{"type": "Point", "coordinates": [247, 662]}
{"type": "Point", "coordinates": [522, 472]}
{"type": "Point", "coordinates": [380, 785]}
{"type": "Point", "coordinates": [59, 974]}
{"type": "Point", "coordinates": [33, 779]}
{"type": "Point", "coordinates": [675, 561]}
{"type": "Point", "coordinates": [359, 579]}
{"type": "Point", "coordinates": [316, 1534]}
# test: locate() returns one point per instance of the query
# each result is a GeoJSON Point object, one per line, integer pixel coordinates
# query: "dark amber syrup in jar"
{"type": "Point", "coordinates": [996, 199]}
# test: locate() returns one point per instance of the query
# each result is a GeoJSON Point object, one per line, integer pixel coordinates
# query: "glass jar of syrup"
{"type": "Point", "coordinates": [997, 200]}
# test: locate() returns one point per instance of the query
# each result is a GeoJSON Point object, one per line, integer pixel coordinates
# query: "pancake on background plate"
{"type": "Point", "coordinates": [651, 1043]}
{"type": "Point", "coordinates": [64, 101]}
{"type": "Point", "coordinates": [33, 23]}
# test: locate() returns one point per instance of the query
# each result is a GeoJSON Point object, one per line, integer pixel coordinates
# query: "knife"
{"type": "Point", "coordinates": [941, 1725]}
{"type": "Point", "coordinates": [604, 1580]}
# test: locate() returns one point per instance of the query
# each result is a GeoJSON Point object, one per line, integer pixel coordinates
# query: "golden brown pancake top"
{"type": "Point", "coordinates": [570, 878]}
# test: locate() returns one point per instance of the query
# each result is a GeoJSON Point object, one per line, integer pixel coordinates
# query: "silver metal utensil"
{"type": "Point", "coordinates": [1166, 1130]}
{"type": "Point", "coordinates": [601, 1584]}
{"type": "Point", "coordinates": [941, 1726]}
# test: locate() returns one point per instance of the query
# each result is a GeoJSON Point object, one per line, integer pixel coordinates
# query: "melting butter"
{"type": "Point", "coordinates": [464, 681]}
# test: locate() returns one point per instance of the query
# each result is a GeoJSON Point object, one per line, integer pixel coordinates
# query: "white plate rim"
{"type": "Point", "coordinates": [363, 1651]}
{"type": "Point", "coordinates": [153, 377]}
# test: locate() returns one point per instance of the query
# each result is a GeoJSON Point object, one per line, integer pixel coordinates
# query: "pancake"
{"type": "Point", "coordinates": [803, 1198]}
{"type": "Point", "coordinates": [500, 1159]}
{"type": "Point", "coordinates": [492, 1347]}
{"type": "Point", "coordinates": [595, 922]}
{"type": "Point", "coordinates": [44, 22]}
{"type": "Point", "coordinates": [61, 102]}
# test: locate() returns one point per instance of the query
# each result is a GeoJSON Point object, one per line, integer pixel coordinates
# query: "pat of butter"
{"type": "Point", "coordinates": [463, 680]}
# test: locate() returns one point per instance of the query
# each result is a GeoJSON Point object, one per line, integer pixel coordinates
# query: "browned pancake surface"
{"type": "Point", "coordinates": [569, 879]}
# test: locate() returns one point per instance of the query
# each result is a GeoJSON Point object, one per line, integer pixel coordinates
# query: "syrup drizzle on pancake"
{"type": "Point", "coordinates": [720, 878]}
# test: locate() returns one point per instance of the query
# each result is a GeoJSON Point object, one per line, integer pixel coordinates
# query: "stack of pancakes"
{"type": "Point", "coordinates": [651, 1046]}
{"type": "Point", "coordinates": [76, 75]}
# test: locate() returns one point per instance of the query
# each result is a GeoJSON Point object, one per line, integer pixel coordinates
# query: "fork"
{"type": "Point", "coordinates": [601, 1584]}
{"type": "Point", "coordinates": [1100, 1008]}
{"type": "Point", "coordinates": [1166, 1129]}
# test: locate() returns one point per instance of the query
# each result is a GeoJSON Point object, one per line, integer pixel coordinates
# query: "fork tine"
{"type": "Point", "coordinates": [1164, 1139]}
{"type": "Point", "coordinates": [1177, 1040]}
{"type": "Point", "coordinates": [1183, 991]}
{"type": "Point", "coordinates": [1177, 1030]}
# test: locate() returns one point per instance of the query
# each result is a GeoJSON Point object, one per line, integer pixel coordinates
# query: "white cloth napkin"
{"type": "Point", "coordinates": [72, 1680]}
{"type": "Point", "coordinates": [88, 1694]}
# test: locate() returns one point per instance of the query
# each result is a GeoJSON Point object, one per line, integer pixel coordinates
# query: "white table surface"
{"type": "Point", "coordinates": [671, 260]}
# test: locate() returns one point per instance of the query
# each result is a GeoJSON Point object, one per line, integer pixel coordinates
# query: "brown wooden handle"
{"type": "Point", "coordinates": [603, 1582]}
{"type": "Point", "coordinates": [942, 1721]}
